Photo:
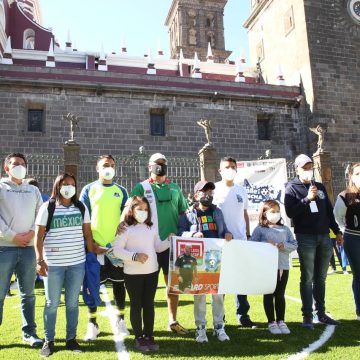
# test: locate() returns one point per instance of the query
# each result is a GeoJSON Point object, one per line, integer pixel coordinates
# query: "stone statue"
{"type": "Point", "coordinates": [192, 37]}
{"type": "Point", "coordinates": [206, 125]}
{"type": "Point", "coordinates": [74, 124]}
{"type": "Point", "coordinates": [320, 132]}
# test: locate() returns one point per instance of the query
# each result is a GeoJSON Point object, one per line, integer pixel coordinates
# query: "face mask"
{"type": "Point", "coordinates": [67, 191]}
{"type": "Point", "coordinates": [159, 170]}
{"type": "Point", "coordinates": [18, 172]}
{"type": "Point", "coordinates": [140, 216]}
{"type": "Point", "coordinates": [206, 200]}
{"type": "Point", "coordinates": [273, 217]}
{"type": "Point", "coordinates": [307, 175]}
{"type": "Point", "coordinates": [107, 173]}
{"type": "Point", "coordinates": [356, 181]}
{"type": "Point", "coordinates": [228, 174]}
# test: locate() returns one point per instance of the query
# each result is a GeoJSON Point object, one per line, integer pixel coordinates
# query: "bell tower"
{"type": "Point", "coordinates": [193, 25]}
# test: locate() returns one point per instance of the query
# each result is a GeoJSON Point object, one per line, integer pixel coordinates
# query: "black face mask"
{"type": "Point", "coordinates": [206, 200]}
{"type": "Point", "coordinates": [159, 170]}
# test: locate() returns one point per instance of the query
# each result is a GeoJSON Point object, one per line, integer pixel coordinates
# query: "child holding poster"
{"type": "Point", "coordinates": [137, 247]}
{"type": "Point", "coordinates": [271, 230]}
{"type": "Point", "coordinates": [205, 220]}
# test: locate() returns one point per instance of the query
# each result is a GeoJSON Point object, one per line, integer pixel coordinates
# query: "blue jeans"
{"type": "Point", "coordinates": [71, 278]}
{"type": "Point", "coordinates": [314, 254]}
{"type": "Point", "coordinates": [242, 306]}
{"type": "Point", "coordinates": [352, 249]}
{"type": "Point", "coordinates": [22, 262]}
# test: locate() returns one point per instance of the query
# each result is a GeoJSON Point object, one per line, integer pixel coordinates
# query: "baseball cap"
{"type": "Point", "coordinates": [202, 184]}
{"type": "Point", "coordinates": [301, 160]}
{"type": "Point", "coordinates": [156, 157]}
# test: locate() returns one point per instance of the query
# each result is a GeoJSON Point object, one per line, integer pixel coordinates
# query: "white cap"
{"type": "Point", "coordinates": [302, 160]}
{"type": "Point", "coordinates": [156, 157]}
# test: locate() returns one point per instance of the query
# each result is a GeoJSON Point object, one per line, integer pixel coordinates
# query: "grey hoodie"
{"type": "Point", "coordinates": [19, 205]}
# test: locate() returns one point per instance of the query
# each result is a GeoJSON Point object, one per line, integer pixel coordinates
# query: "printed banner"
{"type": "Point", "coordinates": [263, 180]}
{"type": "Point", "coordinates": [212, 266]}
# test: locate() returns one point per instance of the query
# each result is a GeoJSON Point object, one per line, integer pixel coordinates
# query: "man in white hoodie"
{"type": "Point", "coordinates": [19, 204]}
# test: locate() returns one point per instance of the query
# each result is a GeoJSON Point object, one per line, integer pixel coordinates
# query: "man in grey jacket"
{"type": "Point", "coordinates": [19, 204]}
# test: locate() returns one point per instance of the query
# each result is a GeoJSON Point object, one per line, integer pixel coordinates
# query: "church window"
{"type": "Point", "coordinates": [157, 122]}
{"type": "Point", "coordinates": [264, 125]}
{"type": "Point", "coordinates": [35, 120]}
{"type": "Point", "coordinates": [289, 21]}
{"type": "Point", "coordinates": [29, 39]}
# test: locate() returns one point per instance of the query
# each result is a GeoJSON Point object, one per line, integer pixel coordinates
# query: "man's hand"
{"type": "Point", "coordinates": [198, 234]}
{"type": "Point", "coordinates": [312, 193]}
{"type": "Point", "coordinates": [121, 228]}
{"type": "Point", "coordinates": [98, 250]}
{"type": "Point", "coordinates": [42, 268]}
{"type": "Point", "coordinates": [339, 239]}
{"type": "Point", "coordinates": [228, 236]}
{"type": "Point", "coordinates": [141, 257]}
{"type": "Point", "coordinates": [280, 246]}
{"type": "Point", "coordinates": [23, 239]}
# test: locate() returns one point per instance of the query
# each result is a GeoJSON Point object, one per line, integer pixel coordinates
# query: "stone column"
{"type": "Point", "coordinates": [209, 163]}
{"type": "Point", "coordinates": [323, 173]}
{"type": "Point", "coordinates": [72, 158]}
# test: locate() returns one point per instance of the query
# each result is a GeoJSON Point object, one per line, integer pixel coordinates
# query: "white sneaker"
{"type": "Point", "coordinates": [332, 272]}
{"type": "Point", "coordinates": [283, 328]}
{"type": "Point", "coordinates": [221, 334]}
{"type": "Point", "coordinates": [92, 332]}
{"type": "Point", "coordinates": [120, 328]}
{"type": "Point", "coordinates": [345, 272]}
{"type": "Point", "coordinates": [200, 335]}
{"type": "Point", "coordinates": [358, 318]}
{"type": "Point", "coordinates": [274, 328]}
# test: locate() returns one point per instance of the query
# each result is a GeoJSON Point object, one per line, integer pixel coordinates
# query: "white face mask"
{"type": "Point", "coordinates": [107, 173]}
{"type": "Point", "coordinates": [140, 216]}
{"type": "Point", "coordinates": [228, 174]}
{"type": "Point", "coordinates": [67, 191]}
{"type": "Point", "coordinates": [307, 175]}
{"type": "Point", "coordinates": [273, 217]}
{"type": "Point", "coordinates": [18, 172]}
{"type": "Point", "coordinates": [356, 180]}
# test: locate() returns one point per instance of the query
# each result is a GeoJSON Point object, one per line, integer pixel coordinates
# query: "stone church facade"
{"type": "Point", "coordinates": [125, 102]}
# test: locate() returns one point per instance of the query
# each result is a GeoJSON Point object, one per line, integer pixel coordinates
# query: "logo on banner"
{"type": "Point", "coordinates": [197, 249]}
{"type": "Point", "coordinates": [259, 194]}
{"type": "Point", "coordinates": [212, 260]}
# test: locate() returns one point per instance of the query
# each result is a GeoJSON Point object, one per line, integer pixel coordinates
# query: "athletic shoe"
{"type": "Point", "coordinates": [332, 272]}
{"type": "Point", "coordinates": [220, 333]}
{"type": "Point", "coordinates": [47, 349]}
{"type": "Point", "coordinates": [73, 345]}
{"type": "Point", "coordinates": [141, 344]}
{"type": "Point", "coordinates": [358, 318]}
{"type": "Point", "coordinates": [176, 328]}
{"type": "Point", "coordinates": [200, 334]}
{"type": "Point", "coordinates": [308, 322]}
{"type": "Point", "coordinates": [92, 332]}
{"type": "Point", "coordinates": [33, 340]}
{"type": "Point", "coordinates": [246, 322]}
{"type": "Point", "coordinates": [283, 327]}
{"type": "Point", "coordinates": [120, 328]}
{"type": "Point", "coordinates": [151, 344]}
{"type": "Point", "coordinates": [274, 328]}
{"type": "Point", "coordinates": [327, 320]}
{"type": "Point", "coordinates": [345, 272]}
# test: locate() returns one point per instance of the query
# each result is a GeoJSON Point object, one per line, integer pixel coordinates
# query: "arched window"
{"type": "Point", "coordinates": [29, 39]}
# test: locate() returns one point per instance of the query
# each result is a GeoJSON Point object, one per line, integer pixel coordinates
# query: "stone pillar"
{"type": "Point", "coordinates": [72, 158]}
{"type": "Point", "coordinates": [323, 173]}
{"type": "Point", "coordinates": [209, 163]}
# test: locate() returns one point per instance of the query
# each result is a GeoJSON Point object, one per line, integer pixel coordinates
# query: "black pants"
{"type": "Point", "coordinates": [279, 297]}
{"type": "Point", "coordinates": [141, 290]}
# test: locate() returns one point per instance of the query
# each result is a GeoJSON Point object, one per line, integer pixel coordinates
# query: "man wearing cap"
{"type": "Point", "coordinates": [205, 220]}
{"type": "Point", "coordinates": [167, 202]}
{"type": "Point", "coordinates": [308, 205]}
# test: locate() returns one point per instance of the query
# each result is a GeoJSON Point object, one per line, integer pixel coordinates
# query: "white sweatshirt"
{"type": "Point", "coordinates": [139, 238]}
{"type": "Point", "coordinates": [19, 205]}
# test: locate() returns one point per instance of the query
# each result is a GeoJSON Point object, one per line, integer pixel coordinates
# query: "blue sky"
{"type": "Point", "coordinates": [140, 22]}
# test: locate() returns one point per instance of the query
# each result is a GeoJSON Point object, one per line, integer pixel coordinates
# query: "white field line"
{"type": "Point", "coordinates": [121, 351]}
{"type": "Point", "coordinates": [325, 336]}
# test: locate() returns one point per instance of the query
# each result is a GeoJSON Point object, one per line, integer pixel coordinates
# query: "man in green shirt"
{"type": "Point", "coordinates": [105, 200]}
{"type": "Point", "coordinates": [167, 202]}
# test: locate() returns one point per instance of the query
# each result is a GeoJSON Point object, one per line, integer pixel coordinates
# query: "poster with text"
{"type": "Point", "coordinates": [203, 266]}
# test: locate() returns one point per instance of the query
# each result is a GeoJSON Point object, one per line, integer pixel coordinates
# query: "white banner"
{"type": "Point", "coordinates": [263, 180]}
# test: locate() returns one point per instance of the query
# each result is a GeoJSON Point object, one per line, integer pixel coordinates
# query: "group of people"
{"type": "Point", "coordinates": [123, 238]}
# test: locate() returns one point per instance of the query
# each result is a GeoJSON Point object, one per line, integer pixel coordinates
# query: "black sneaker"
{"type": "Point", "coordinates": [32, 340]}
{"type": "Point", "coordinates": [47, 349]}
{"type": "Point", "coordinates": [246, 322]}
{"type": "Point", "coordinates": [324, 319]}
{"type": "Point", "coordinates": [73, 345]}
{"type": "Point", "coordinates": [141, 344]}
{"type": "Point", "coordinates": [308, 322]}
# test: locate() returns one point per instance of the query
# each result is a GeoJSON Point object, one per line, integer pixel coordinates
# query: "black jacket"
{"type": "Point", "coordinates": [297, 207]}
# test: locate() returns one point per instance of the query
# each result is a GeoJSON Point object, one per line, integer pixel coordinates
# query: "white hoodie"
{"type": "Point", "coordinates": [19, 205]}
